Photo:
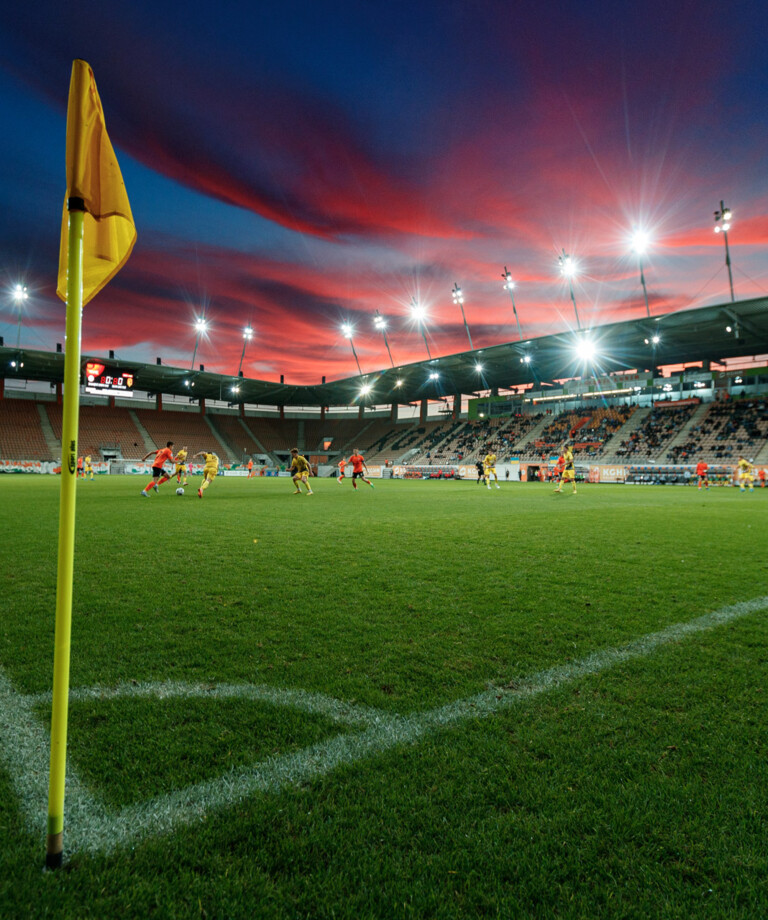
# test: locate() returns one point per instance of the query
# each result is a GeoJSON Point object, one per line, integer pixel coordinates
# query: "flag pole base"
{"type": "Point", "coordinates": [54, 851]}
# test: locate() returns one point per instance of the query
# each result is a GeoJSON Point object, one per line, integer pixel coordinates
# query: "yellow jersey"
{"type": "Point", "coordinates": [568, 458]}
{"type": "Point", "coordinates": [181, 457]}
{"type": "Point", "coordinates": [490, 461]}
{"type": "Point", "coordinates": [299, 464]}
{"type": "Point", "coordinates": [211, 461]}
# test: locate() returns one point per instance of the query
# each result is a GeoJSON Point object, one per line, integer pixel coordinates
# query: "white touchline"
{"type": "Point", "coordinates": [92, 827]}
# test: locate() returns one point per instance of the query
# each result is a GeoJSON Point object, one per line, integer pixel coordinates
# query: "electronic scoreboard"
{"type": "Point", "coordinates": [103, 380]}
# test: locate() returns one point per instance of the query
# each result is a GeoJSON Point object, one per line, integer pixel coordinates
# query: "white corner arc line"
{"type": "Point", "coordinates": [91, 827]}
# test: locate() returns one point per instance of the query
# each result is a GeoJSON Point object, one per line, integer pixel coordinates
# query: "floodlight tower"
{"type": "Point", "coordinates": [247, 336]}
{"type": "Point", "coordinates": [640, 245]}
{"type": "Point", "coordinates": [418, 313]}
{"type": "Point", "coordinates": [458, 297]}
{"type": "Point", "coordinates": [380, 323]}
{"type": "Point", "coordinates": [568, 270]}
{"type": "Point", "coordinates": [346, 331]}
{"type": "Point", "coordinates": [19, 296]}
{"type": "Point", "coordinates": [509, 285]}
{"type": "Point", "coordinates": [724, 215]}
{"type": "Point", "coordinates": [201, 325]}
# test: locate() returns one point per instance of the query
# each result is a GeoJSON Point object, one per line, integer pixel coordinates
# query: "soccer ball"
{"type": "Point", "coordinates": [179, 491]}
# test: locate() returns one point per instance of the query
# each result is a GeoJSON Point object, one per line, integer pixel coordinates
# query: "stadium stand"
{"type": "Point", "coordinates": [232, 430]}
{"type": "Point", "coordinates": [102, 429]}
{"type": "Point", "coordinates": [188, 428]}
{"type": "Point", "coordinates": [21, 431]}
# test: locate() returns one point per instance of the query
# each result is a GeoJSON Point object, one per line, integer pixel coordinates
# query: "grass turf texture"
{"type": "Point", "coordinates": [638, 791]}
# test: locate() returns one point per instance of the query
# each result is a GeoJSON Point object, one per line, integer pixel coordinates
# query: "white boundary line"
{"type": "Point", "coordinates": [92, 827]}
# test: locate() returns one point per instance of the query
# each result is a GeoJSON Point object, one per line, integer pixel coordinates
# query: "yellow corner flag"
{"type": "Point", "coordinates": [94, 177]}
{"type": "Point", "coordinates": [97, 237]}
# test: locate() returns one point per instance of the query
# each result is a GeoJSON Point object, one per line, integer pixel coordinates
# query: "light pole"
{"type": "Point", "coordinates": [640, 245]}
{"type": "Point", "coordinates": [346, 331]}
{"type": "Point", "coordinates": [19, 296]}
{"type": "Point", "coordinates": [247, 336]}
{"type": "Point", "coordinates": [200, 325]}
{"type": "Point", "coordinates": [568, 269]}
{"type": "Point", "coordinates": [418, 313]}
{"type": "Point", "coordinates": [724, 215]}
{"type": "Point", "coordinates": [458, 297]}
{"type": "Point", "coordinates": [509, 285]}
{"type": "Point", "coordinates": [381, 324]}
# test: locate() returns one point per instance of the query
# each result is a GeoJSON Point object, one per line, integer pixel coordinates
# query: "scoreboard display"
{"type": "Point", "coordinates": [103, 380]}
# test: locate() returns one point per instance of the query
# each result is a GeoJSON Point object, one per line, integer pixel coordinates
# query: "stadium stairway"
{"type": "Point", "coordinates": [54, 445]}
{"type": "Point", "coordinates": [526, 443]}
{"type": "Point", "coordinates": [634, 422]}
{"type": "Point", "coordinates": [149, 444]}
{"type": "Point", "coordinates": [684, 433]}
{"type": "Point", "coordinates": [259, 446]}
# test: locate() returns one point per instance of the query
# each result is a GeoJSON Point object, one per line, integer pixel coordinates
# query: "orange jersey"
{"type": "Point", "coordinates": [701, 468]}
{"type": "Point", "coordinates": [165, 453]}
{"type": "Point", "coordinates": [250, 464]}
{"type": "Point", "coordinates": [560, 465]}
{"type": "Point", "coordinates": [357, 461]}
{"type": "Point", "coordinates": [342, 464]}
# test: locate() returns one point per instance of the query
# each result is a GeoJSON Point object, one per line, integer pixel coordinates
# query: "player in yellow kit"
{"type": "Point", "coordinates": [181, 466]}
{"type": "Point", "coordinates": [88, 467]}
{"type": "Point", "coordinates": [210, 469]}
{"type": "Point", "coordinates": [489, 469]}
{"type": "Point", "coordinates": [569, 471]}
{"type": "Point", "coordinates": [300, 470]}
{"type": "Point", "coordinates": [746, 473]}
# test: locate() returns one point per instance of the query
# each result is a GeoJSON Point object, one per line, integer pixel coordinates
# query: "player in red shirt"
{"type": "Point", "coordinates": [250, 468]}
{"type": "Point", "coordinates": [159, 476]}
{"type": "Point", "coordinates": [342, 465]}
{"type": "Point", "coordinates": [558, 470]}
{"type": "Point", "coordinates": [358, 464]}
{"type": "Point", "coordinates": [761, 477]}
{"type": "Point", "coordinates": [702, 471]}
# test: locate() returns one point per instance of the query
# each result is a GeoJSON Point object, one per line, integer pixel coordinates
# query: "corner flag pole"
{"type": "Point", "coordinates": [60, 708]}
{"type": "Point", "coordinates": [97, 237]}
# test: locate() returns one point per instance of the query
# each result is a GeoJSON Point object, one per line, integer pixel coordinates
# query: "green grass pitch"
{"type": "Point", "coordinates": [420, 700]}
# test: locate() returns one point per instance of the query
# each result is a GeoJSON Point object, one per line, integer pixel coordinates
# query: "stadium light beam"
{"type": "Point", "coordinates": [247, 336]}
{"type": "Point", "coordinates": [381, 324]}
{"type": "Point", "coordinates": [509, 285]}
{"type": "Point", "coordinates": [19, 295]}
{"type": "Point", "coordinates": [346, 331]}
{"type": "Point", "coordinates": [419, 313]}
{"type": "Point", "coordinates": [723, 225]}
{"type": "Point", "coordinates": [458, 298]}
{"type": "Point", "coordinates": [568, 270]}
{"type": "Point", "coordinates": [640, 245]}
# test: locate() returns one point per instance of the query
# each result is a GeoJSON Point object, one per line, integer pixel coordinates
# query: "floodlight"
{"type": "Point", "coordinates": [398, 383]}
{"type": "Point", "coordinates": [346, 330]}
{"type": "Point", "coordinates": [585, 349]}
{"type": "Point", "coordinates": [725, 215]}
{"type": "Point", "coordinates": [479, 368]}
{"type": "Point", "coordinates": [365, 389]}
{"type": "Point", "coordinates": [434, 375]}
{"type": "Point", "coordinates": [418, 312]}
{"type": "Point", "coordinates": [20, 293]}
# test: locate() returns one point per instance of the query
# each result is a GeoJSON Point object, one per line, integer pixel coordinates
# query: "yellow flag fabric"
{"type": "Point", "coordinates": [93, 175]}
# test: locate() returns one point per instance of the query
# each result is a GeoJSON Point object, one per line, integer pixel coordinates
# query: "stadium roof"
{"type": "Point", "coordinates": [686, 336]}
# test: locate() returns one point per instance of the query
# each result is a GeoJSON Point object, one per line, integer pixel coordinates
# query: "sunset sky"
{"type": "Point", "coordinates": [299, 165]}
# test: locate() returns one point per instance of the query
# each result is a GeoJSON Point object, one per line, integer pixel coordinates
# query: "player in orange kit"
{"type": "Point", "coordinates": [159, 476]}
{"type": "Point", "coordinates": [702, 471]}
